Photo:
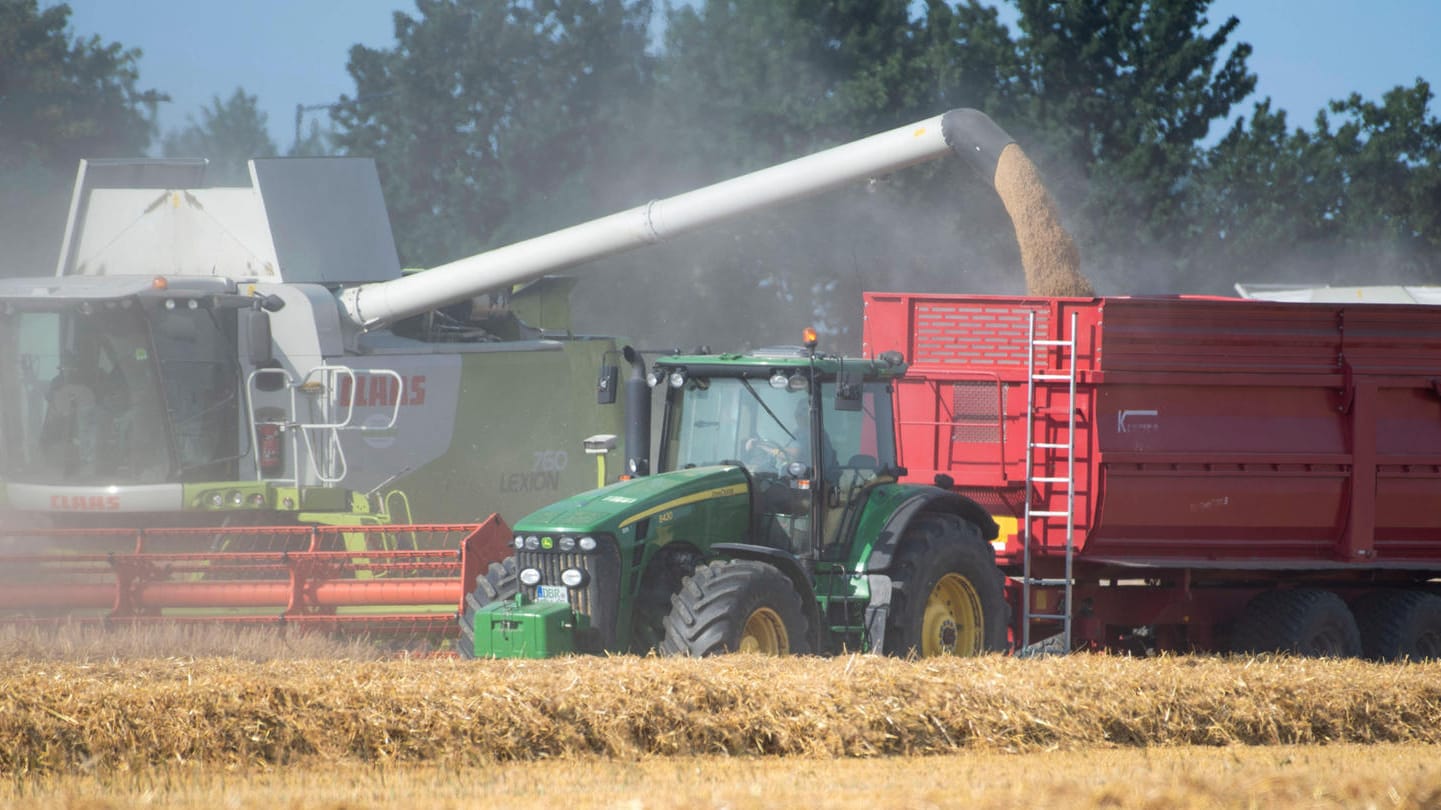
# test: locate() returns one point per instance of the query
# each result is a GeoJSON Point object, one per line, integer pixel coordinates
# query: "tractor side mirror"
{"type": "Point", "coordinates": [606, 383]}
{"type": "Point", "coordinates": [848, 391]}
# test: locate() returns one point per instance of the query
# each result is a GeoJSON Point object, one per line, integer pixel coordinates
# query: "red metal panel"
{"type": "Point", "coordinates": [1210, 431]}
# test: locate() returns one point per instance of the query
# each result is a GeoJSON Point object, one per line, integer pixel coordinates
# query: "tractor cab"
{"type": "Point", "coordinates": [813, 433]}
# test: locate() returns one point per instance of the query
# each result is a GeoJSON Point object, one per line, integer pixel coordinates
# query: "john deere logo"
{"type": "Point", "coordinates": [547, 543]}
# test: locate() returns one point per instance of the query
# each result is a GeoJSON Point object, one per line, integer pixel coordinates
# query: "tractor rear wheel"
{"type": "Point", "coordinates": [500, 581]}
{"type": "Point", "coordinates": [1306, 622]}
{"type": "Point", "coordinates": [1400, 625]}
{"type": "Point", "coordinates": [736, 606]}
{"type": "Point", "coordinates": [947, 596]}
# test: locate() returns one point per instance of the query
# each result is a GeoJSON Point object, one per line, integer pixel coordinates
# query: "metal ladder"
{"type": "Point", "coordinates": [1037, 454]}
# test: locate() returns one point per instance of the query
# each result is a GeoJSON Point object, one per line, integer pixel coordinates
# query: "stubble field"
{"type": "Point", "coordinates": [131, 721]}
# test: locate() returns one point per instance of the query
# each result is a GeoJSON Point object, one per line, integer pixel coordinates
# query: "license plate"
{"type": "Point", "coordinates": [551, 593]}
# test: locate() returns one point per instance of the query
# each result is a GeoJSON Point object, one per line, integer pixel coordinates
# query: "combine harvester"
{"type": "Point", "coordinates": [233, 400]}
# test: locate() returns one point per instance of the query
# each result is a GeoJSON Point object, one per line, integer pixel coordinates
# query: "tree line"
{"type": "Point", "coordinates": [496, 120]}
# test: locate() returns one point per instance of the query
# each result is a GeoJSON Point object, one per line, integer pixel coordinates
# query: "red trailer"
{"type": "Point", "coordinates": [1187, 473]}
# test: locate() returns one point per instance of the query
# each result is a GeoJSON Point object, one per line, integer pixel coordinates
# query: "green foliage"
{"type": "Point", "coordinates": [228, 134]}
{"type": "Point", "coordinates": [494, 120]}
{"type": "Point", "coordinates": [489, 118]}
{"type": "Point", "coordinates": [1360, 203]}
{"type": "Point", "coordinates": [61, 99]}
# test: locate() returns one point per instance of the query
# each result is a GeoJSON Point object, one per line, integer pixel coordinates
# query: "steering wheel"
{"type": "Point", "coordinates": [762, 455]}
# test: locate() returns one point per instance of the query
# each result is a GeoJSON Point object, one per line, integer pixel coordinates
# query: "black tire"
{"type": "Point", "coordinates": [946, 564]}
{"type": "Point", "coordinates": [1399, 625]}
{"type": "Point", "coordinates": [736, 606]}
{"type": "Point", "coordinates": [500, 581]}
{"type": "Point", "coordinates": [1306, 622]}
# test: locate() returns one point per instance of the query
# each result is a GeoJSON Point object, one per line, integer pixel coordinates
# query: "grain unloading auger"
{"type": "Point", "coordinates": [239, 364]}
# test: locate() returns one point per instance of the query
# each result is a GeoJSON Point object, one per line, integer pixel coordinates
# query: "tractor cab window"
{"type": "Point", "coordinates": [736, 420]}
{"type": "Point", "coordinates": [768, 430]}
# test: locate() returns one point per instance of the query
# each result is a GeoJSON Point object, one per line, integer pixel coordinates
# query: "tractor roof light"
{"type": "Point", "coordinates": [677, 378]}
{"type": "Point", "coordinates": [808, 335]}
{"type": "Point", "coordinates": [779, 380]}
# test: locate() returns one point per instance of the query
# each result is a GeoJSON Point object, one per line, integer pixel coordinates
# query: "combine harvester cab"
{"type": "Point", "coordinates": [187, 384]}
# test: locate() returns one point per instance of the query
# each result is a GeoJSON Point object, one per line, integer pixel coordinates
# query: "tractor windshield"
{"type": "Point", "coordinates": [93, 395]}
{"type": "Point", "coordinates": [731, 419]}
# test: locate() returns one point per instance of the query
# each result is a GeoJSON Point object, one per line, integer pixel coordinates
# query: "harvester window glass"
{"type": "Point", "coordinates": [199, 372]}
{"type": "Point", "coordinates": [79, 398]}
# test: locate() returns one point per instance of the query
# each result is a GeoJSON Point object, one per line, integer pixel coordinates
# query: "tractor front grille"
{"type": "Point", "coordinates": [598, 599]}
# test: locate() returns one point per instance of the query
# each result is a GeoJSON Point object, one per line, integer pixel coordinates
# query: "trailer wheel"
{"type": "Point", "coordinates": [947, 597]}
{"type": "Point", "coordinates": [1306, 622]}
{"type": "Point", "coordinates": [500, 581]}
{"type": "Point", "coordinates": [736, 606]}
{"type": "Point", "coordinates": [1400, 625]}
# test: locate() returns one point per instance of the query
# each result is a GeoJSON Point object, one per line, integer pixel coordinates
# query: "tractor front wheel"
{"type": "Point", "coordinates": [947, 596]}
{"type": "Point", "coordinates": [500, 581]}
{"type": "Point", "coordinates": [736, 606]}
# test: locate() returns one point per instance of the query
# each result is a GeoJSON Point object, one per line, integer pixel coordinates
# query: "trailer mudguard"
{"type": "Point", "coordinates": [924, 499]}
{"type": "Point", "coordinates": [790, 565]}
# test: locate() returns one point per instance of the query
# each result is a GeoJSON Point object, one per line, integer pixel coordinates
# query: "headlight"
{"type": "Point", "coordinates": [572, 577]}
{"type": "Point", "coordinates": [215, 500]}
{"type": "Point", "coordinates": [532, 543]}
{"type": "Point", "coordinates": [530, 577]}
{"type": "Point", "coordinates": [519, 541]}
{"type": "Point", "coordinates": [587, 543]}
{"type": "Point", "coordinates": [567, 543]}
{"type": "Point", "coordinates": [257, 500]}
{"type": "Point", "coordinates": [237, 498]}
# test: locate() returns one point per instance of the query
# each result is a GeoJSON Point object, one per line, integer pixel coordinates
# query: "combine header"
{"type": "Point", "coordinates": [381, 581]}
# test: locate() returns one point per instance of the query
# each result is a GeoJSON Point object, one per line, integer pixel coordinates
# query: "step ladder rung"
{"type": "Point", "coordinates": [1067, 343]}
{"type": "Point", "coordinates": [1052, 377]}
{"type": "Point", "coordinates": [1063, 480]}
{"type": "Point", "coordinates": [1049, 513]}
{"type": "Point", "coordinates": [1050, 446]}
{"type": "Point", "coordinates": [1038, 582]}
{"type": "Point", "coordinates": [1053, 617]}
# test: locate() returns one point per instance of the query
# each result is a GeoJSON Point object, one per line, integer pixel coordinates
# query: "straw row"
{"type": "Point", "coordinates": [63, 717]}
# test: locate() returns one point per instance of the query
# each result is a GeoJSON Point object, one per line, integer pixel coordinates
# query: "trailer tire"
{"type": "Point", "coordinates": [1400, 625]}
{"type": "Point", "coordinates": [947, 596]}
{"type": "Point", "coordinates": [500, 581]}
{"type": "Point", "coordinates": [732, 606]}
{"type": "Point", "coordinates": [1307, 622]}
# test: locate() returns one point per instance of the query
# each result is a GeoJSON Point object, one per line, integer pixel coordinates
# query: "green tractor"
{"type": "Point", "coordinates": [775, 524]}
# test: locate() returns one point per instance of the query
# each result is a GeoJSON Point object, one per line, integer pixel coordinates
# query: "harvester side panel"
{"type": "Point", "coordinates": [1211, 433]}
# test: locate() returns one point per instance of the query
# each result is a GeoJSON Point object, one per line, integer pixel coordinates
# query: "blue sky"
{"type": "Point", "coordinates": [289, 52]}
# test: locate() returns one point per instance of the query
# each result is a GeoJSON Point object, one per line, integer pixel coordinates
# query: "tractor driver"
{"type": "Point", "coordinates": [763, 454]}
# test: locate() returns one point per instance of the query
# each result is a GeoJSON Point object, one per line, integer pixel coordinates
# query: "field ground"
{"type": "Point", "coordinates": [1350, 776]}
{"type": "Point", "coordinates": [92, 721]}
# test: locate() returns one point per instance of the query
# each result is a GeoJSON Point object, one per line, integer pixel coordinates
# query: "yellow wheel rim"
{"type": "Point", "coordinates": [765, 634]}
{"type": "Point", "coordinates": [953, 620]}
